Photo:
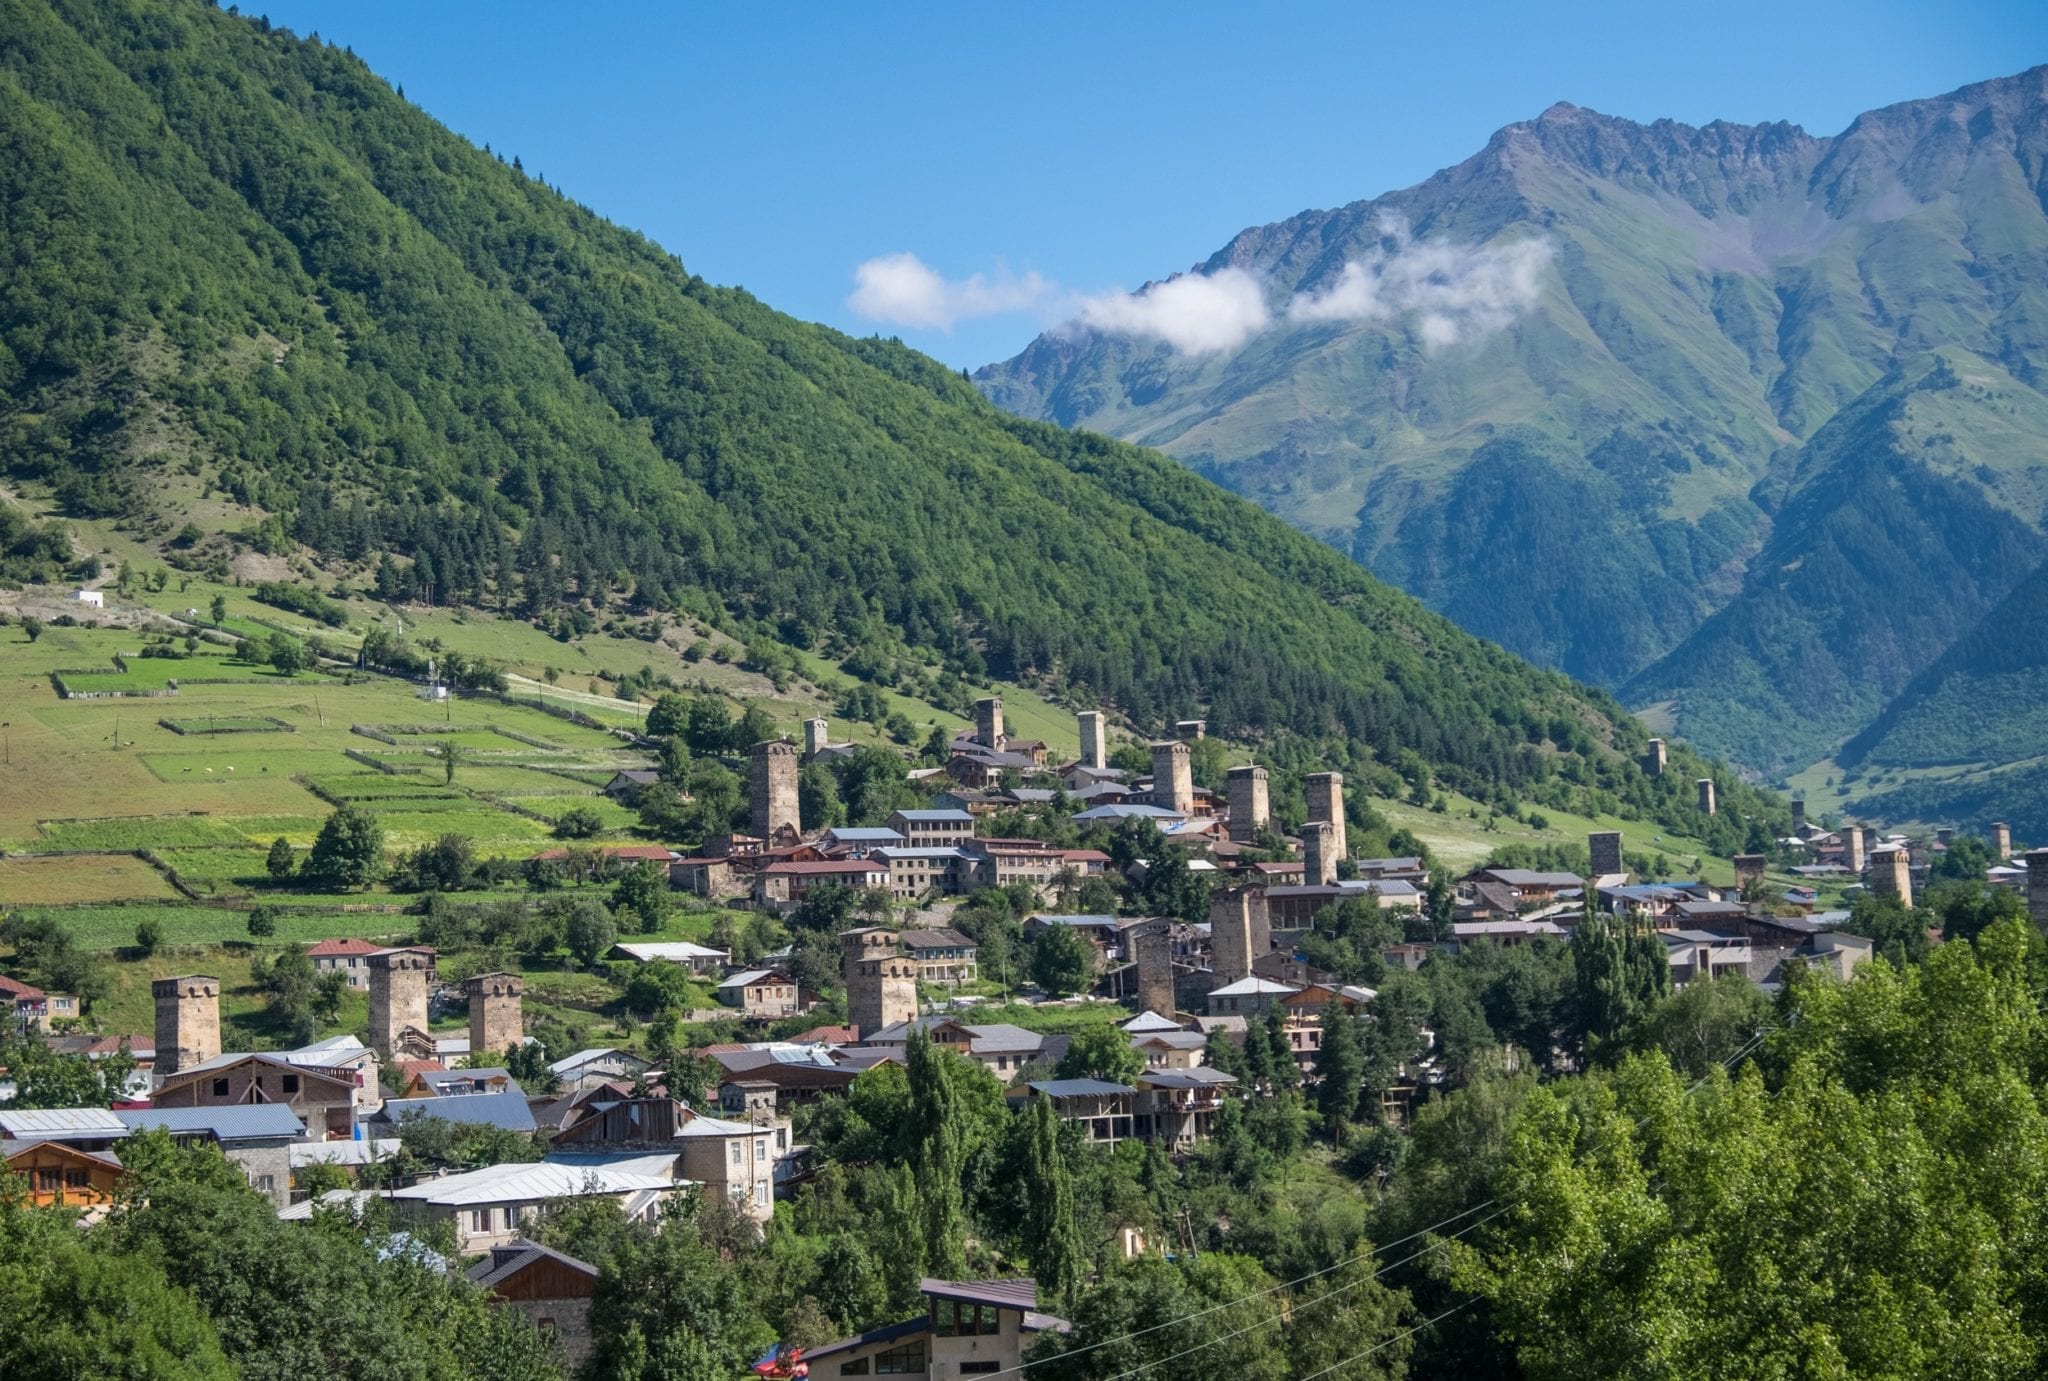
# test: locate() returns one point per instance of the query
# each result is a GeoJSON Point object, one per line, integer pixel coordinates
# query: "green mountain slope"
{"type": "Point", "coordinates": [1595, 467]}
{"type": "Point", "coordinates": [248, 287]}
{"type": "Point", "coordinates": [1878, 556]}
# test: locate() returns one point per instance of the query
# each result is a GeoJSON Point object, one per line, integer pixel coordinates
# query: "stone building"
{"type": "Point", "coordinates": [881, 985]}
{"type": "Point", "coordinates": [2037, 887]}
{"type": "Point", "coordinates": [1319, 853]}
{"type": "Point", "coordinates": [988, 723]}
{"type": "Point", "coordinates": [1250, 802]}
{"type": "Point", "coordinates": [550, 1288]}
{"type": "Point", "coordinates": [1749, 868]}
{"type": "Point", "coordinates": [398, 1003]}
{"type": "Point", "coordinates": [1605, 848]}
{"type": "Point", "coordinates": [2001, 841]}
{"type": "Point", "coordinates": [1173, 778]}
{"type": "Point", "coordinates": [496, 1022]}
{"type": "Point", "coordinates": [771, 792]}
{"type": "Point", "coordinates": [187, 1021]}
{"type": "Point", "coordinates": [1656, 759]}
{"type": "Point", "coordinates": [1094, 740]}
{"type": "Point", "coordinates": [1706, 786]}
{"type": "Point", "coordinates": [814, 738]}
{"type": "Point", "coordinates": [1240, 931]}
{"type": "Point", "coordinates": [1853, 856]}
{"type": "Point", "coordinates": [1891, 873]}
{"type": "Point", "coordinates": [1325, 792]}
{"type": "Point", "coordinates": [1152, 949]}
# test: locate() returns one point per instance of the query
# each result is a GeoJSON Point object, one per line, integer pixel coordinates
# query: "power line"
{"type": "Point", "coordinates": [1389, 1342]}
{"type": "Point", "coordinates": [1740, 1052]}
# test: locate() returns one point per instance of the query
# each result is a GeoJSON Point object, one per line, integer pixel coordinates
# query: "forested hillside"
{"type": "Point", "coordinates": [249, 288]}
{"type": "Point", "coordinates": [1569, 391]}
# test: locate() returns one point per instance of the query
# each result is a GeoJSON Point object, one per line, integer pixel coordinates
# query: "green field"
{"type": "Point", "coordinates": [143, 832]}
{"type": "Point", "coordinates": [226, 724]}
{"type": "Point", "coordinates": [95, 877]}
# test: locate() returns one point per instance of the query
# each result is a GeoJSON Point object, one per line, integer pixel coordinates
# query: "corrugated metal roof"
{"type": "Point", "coordinates": [41, 1122]}
{"type": "Point", "coordinates": [526, 1183]}
{"type": "Point", "coordinates": [1077, 1088]}
{"type": "Point", "coordinates": [507, 1110]}
{"type": "Point", "coordinates": [232, 1122]}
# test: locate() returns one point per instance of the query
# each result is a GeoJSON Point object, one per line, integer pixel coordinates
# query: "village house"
{"type": "Point", "coordinates": [488, 1208]}
{"type": "Point", "coordinates": [917, 872]}
{"type": "Point", "coordinates": [450, 1083]}
{"type": "Point", "coordinates": [761, 994]}
{"type": "Point", "coordinates": [258, 1137]}
{"type": "Point", "coordinates": [587, 1068]}
{"type": "Point", "coordinates": [324, 1099]}
{"type": "Point", "coordinates": [735, 1159]}
{"type": "Point", "coordinates": [1697, 954]}
{"type": "Point", "coordinates": [29, 1008]}
{"type": "Point", "coordinates": [942, 956]}
{"type": "Point", "coordinates": [933, 829]}
{"type": "Point", "coordinates": [694, 957]}
{"type": "Point", "coordinates": [58, 1175]}
{"type": "Point", "coordinates": [1000, 1048]}
{"type": "Point", "coordinates": [1504, 932]}
{"type": "Point", "coordinates": [702, 876]}
{"type": "Point", "coordinates": [780, 885]}
{"type": "Point", "coordinates": [626, 786]}
{"type": "Point", "coordinates": [550, 1288]}
{"type": "Point", "coordinates": [968, 1328]}
{"type": "Point", "coordinates": [507, 1110]}
{"type": "Point", "coordinates": [1304, 1015]}
{"type": "Point", "coordinates": [1247, 997]}
{"type": "Point", "coordinates": [1171, 1106]}
{"type": "Point", "coordinates": [856, 841]}
{"type": "Point", "coordinates": [345, 957]}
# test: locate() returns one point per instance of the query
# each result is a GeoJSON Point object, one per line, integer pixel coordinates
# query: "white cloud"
{"type": "Point", "coordinates": [904, 290]}
{"type": "Point", "coordinates": [1196, 314]}
{"type": "Point", "coordinates": [1452, 291]}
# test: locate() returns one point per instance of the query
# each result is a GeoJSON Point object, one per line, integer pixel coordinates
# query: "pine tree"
{"type": "Point", "coordinates": [1340, 1064]}
{"type": "Point", "coordinates": [1055, 1245]}
{"type": "Point", "coordinates": [938, 1155]}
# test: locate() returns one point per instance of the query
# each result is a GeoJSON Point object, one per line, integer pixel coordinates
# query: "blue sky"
{"type": "Point", "coordinates": [1058, 149]}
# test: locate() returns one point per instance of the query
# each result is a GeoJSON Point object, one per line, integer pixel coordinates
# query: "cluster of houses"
{"type": "Point", "coordinates": [615, 1130]}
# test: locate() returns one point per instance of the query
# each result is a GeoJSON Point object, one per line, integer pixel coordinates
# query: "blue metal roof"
{"type": "Point", "coordinates": [1075, 1088]}
{"type": "Point", "coordinates": [507, 1110]}
{"type": "Point", "coordinates": [231, 1122]}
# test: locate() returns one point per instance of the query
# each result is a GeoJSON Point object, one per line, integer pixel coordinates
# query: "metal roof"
{"type": "Point", "coordinates": [507, 1110]}
{"type": "Point", "coordinates": [923, 817]}
{"type": "Point", "coordinates": [230, 1122]}
{"type": "Point", "coordinates": [41, 1122]}
{"type": "Point", "coordinates": [530, 1182]}
{"type": "Point", "coordinates": [1079, 1088]}
{"type": "Point", "coordinates": [1251, 987]}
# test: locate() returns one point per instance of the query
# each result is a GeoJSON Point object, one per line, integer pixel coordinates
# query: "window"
{"type": "Point", "coordinates": [220, 1088]}
{"type": "Point", "coordinates": [266, 1184]}
{"type": "Point", "coordinates": [857, 1367]}
{"type": "Point", "coordinates": [760, 1148]}
{"type": "Point", "coordinates": [291, 1083]}
{"type": "Point", "coordinates": [901, 1361]}
{"type": "Point", "coordinates": [480, 1220]}
{"type": "Point", "coordinates": [49, 1181]}
{"type": "Point", "coordinates": [76, 1179]}
{"type": "Point", "coordinates": [980, 1368]}
{"type": "Point", "coordinates": [958, 1319]}
{"type": "Point", "coordinates": [738, 1155]}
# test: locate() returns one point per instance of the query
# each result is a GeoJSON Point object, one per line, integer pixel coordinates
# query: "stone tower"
{"type": "Point", "coordinates": [868, 942]}
{"type": "Point", "coordinates": [1852, 848]}
{"type": "Point", "coordinates": [1798, 814]}
{"type": "Point", "coordinates": [988, 723]}
{"type": "Point", "coordinates": [187, 1021]}
{"type": "Point", "coordinates": [1325, 792]}
{"type": "Point", "coordinates": [398, 997]}
{"type": "Point", "coordinates": [1173, 777]}
{"type": "Point", "coordinates": [1094, 740]}
{"type": "Point", "coordinates": [1191, 730]}
{"type": "Point", "coordinates": [1240, 931]}
{"type": "Point", "coordinates": [1250, 803]}
{"type": "Point", "coordinates": [1945, 835]}
{"type": "Point", "coordinates": [1706, 785]}
{"type": "Point", "coordinates": [496, 1023]}
{"type": "Point", "coordinates": [814, 738]}
{"type": "Point", "coordinates": [1605, 848]}
{"type": "Point", "coordinates": [1318, 853]}
{"type": "Point", "coordinates": [2001, 841]}
{"type": "Point", "coordinates": [1891, 872]}
{"type": "Point", "coordinates": [2037, 891]}
{"type": "Point", "coordinates": [1748, 868]}
{"type": "Point", "coordinates": [1152, 949]}
{"type": "Point", "coordinates": [881, 992]}
{"type": "Point", "coordinates": [772, 789]}
{"type": "Point", "coordinates": [1655, 760]}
